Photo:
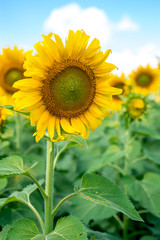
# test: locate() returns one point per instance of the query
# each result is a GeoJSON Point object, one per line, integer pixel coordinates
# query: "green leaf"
{"type": "Point", "coordinates": [22, 196]}
{"type": "Point", "coordinates": [148, 238]}
{"type": "Point", "coordinates": [11, 107]}
{"type": "Point", "coordinates": [75, 138]}
{"type": "Point", "coordinates": [146, 131]}
{"type": "Point", "coordinates": [4, 232]}
{"type": "Point", "coordinates": [12, 165]}
{"type": "Point", "coordinates": [87, 210]}
{"type": "Point", "coordinates": [134, 150]}
{"type": "Point", "coordinates": [112, 154]}
{"type": "Point", "coordinates": [101, 190]}
{"type": "Point", "coordinates": [68, 228]}
{"type": "Point", "coordinates": [22, 229]}
{"type": "Point", "coordinates": [3, 183]}
{"type": "Point", "coordinates": [154, 156]}
{"type": "Point", "coordinates": [99, 235]}
{"type": "Point", "coordinates": [146, 192]}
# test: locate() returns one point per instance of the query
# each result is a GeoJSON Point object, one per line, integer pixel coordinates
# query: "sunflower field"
{"type": "Point", "coordinates": [79, 145]}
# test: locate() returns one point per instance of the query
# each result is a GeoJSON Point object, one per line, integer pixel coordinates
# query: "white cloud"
{"type": "Point", "coordinates": [96, 23]}
{"type": "Point", "coordinates": [127, 60]}
{"type": "Point", "coordinates": [92, 20]}
{"type": "Point", "coordinates": [127, 25]}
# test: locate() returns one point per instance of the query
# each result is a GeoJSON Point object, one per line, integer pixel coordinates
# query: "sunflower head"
{"type": "Point", "coordinates": [121, 83]}
{"type": "Point", "coordinates": [145, 80]}
{"type": "Point", "coordinates": [11, 70]}
{"type": "Point", "coordinates": [67, 89]}
{"type": "Point", "coordinates": [136, 106]}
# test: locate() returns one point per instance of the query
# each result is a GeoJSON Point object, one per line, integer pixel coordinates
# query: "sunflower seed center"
{"type": "Point", "coordinates": [144, 80]}
{"type": "Point", "coordinates": [10, 77]}
{"type": "Point", "coordinates": [69, 89]}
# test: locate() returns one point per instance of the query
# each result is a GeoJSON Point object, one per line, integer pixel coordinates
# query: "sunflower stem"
{"type": "Point", "coordinates": [49, 188]}
{"type": "Point", "coordinates": [126, 170]}
{"type": "Point", "coordinates": [18, 133]}
{"type": "Point", "coordinates": [62, 201]}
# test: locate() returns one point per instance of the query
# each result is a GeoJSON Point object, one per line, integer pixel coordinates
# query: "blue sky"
{"type": "Point", "coordinates": [129, 28]}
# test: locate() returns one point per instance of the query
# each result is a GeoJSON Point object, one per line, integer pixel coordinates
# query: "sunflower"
{"type": "Point", "coordinates": [136, 106]}
{"type": "Point", "coordinates": [4, 113]}
{"type": "Point", "coordinates": [122, 83]}
{"type": "Point", "coordinates": [67, 90]}
{"type": "Point", "coordinates": [11, 70]}
{"type": "Point", "coordinates": [145, 80]}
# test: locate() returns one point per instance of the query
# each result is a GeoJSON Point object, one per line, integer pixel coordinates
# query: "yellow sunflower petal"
{"type": "Point", "coordinates": [28, 84]}
{"type": "Point", "coordinates": [67, 126]}
{"type": "Point", "coordinates": [36, 114]}
{"type": "Point", "coordinates": [78, 125]}
{"type": "Point", "coordinates": [58, 127]}
{"type": "Point", "coordinates": [51, 126]}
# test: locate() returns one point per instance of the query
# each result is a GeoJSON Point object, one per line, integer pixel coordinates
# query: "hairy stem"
{"type": "Point", "coordinates": [37, 215]}
{"type": "Point", "coordinates": [28, 174]}
{"type": "Point", "coordinates": [62, 201]}
{"type": "Point", "coordinates": [49, 188]}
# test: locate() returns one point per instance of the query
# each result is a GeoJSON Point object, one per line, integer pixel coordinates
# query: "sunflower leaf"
{"type": "Point", "coordinates": [95, 235]}
{"type": "Point", "coordinates": [4, 232]}
{"type": "Point", "coordinates": [11, 107]}
{"type": "Point", "coordinates": [20, 196]}
{"type": "Point", "coordinates": [13, 165]}
{"type": "Point", "coordinates": [3, 183]}
{"type": "Point", "coordinates": [22, 229]}
{"type": "Point", "coordinates": [100, 190]}
{"type": "Point", "coordinates": [87, 210]}
{"type": "Point", "coordinates": [68, 228]}
{"type": "Point", "coordinates": [74, 138]}
{"type": "Point", "coordinates": [146, 192]}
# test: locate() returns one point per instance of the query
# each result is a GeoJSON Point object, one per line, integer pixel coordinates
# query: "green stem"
{"type": "Point", "coordinates": [62, 201]}
{"type": "Point", "coordinates": [142, 233]}
{"type": "Point", "coordinates": [125, 229]}
{"type": "Point", "coordinates": [126, 151]}
{"type": "Point", "coordinates": [119, 221]}
{"type": "Point", "coordinates": [49, 188]}
{"type": "Point", "coordinates": [31, 148]}
{"type": "Point", "coordinates": [115, 166]}
{"type": "Point", "coordinates": [143, 211]}
{"type": "Point", "coordinates": [18, 133]}
{"type": "Point", "coordinates": [139, 159]}
{"type": "Point", "coordinates": [28, 174]}
{"type": "Point", "coordinates": [34, 211]}
{"type": "Point", "coordinates": [37, 215]}
{"type": "Point", "coordinates": [57, 156]}
{"type": "Point", "coordinates": [126, 170]}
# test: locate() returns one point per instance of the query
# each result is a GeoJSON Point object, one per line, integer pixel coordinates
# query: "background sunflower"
{"type": "Point", "coordinates": [11, 70]}
{"type": "Point", "coordinates": [145, 80]}
{"type": "Point", "coordinates": [122, 83]}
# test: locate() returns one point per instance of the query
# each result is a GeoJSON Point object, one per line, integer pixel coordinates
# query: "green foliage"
{"type": "Point", "coordinates": [68, 228]}
{"type": "Point", "coordinates": [12, 166]}
{"type": "Point", "coordinates": [101, 190]}
{"type": "Point", "coordinates": [22, 196]}
{"type": "Point", "coordinates": [95, 235]}
{"type": "Point", "coordinates": [127, 166]}
{"type": "Point", "coordinates": [146, 192]}
{"type": "Point", "coordinates": [4, 232]}
{"type": "Point", "coordinates": [22, 229]}
{"type": "Point", "coordinates": [3, 183]}
{"type": "Point", "coordinates": [112, 155]}
{"type": "Point", "coordinates": [88, 210]}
